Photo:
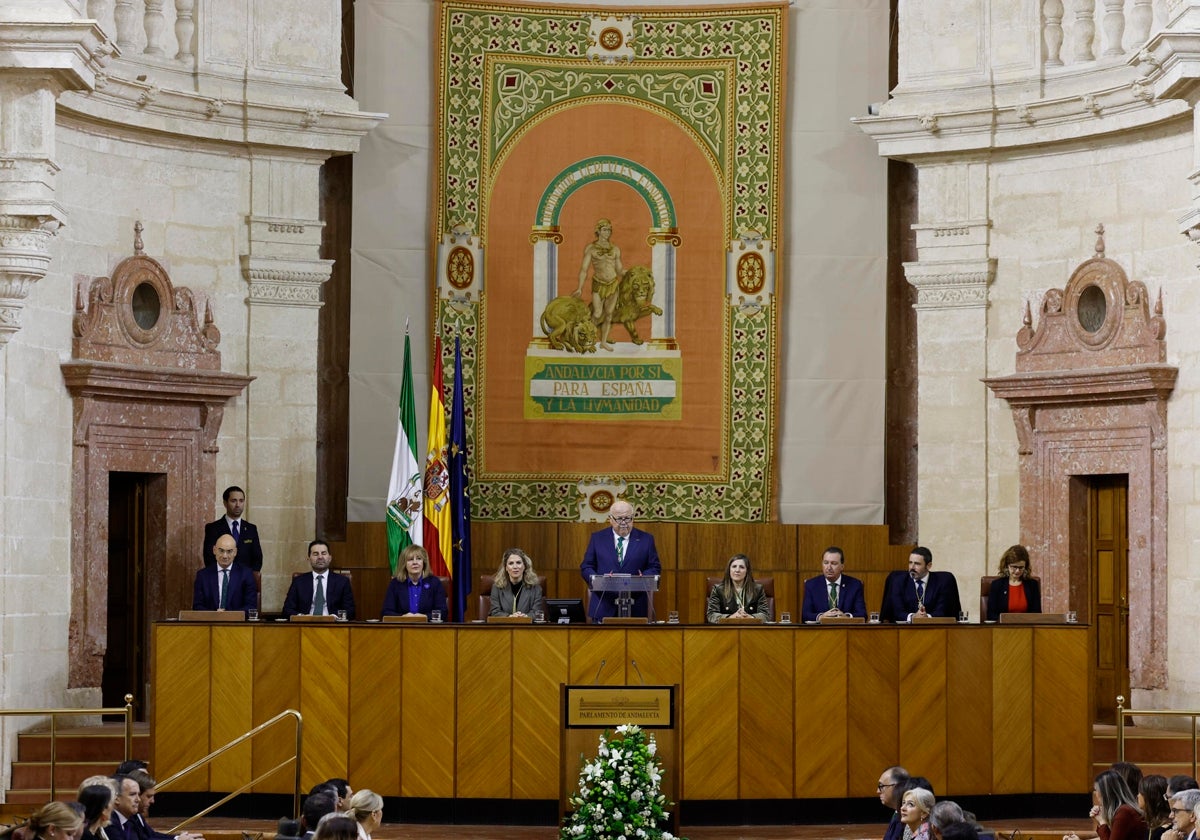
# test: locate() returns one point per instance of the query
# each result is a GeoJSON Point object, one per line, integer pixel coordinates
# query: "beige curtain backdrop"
{"type": "Point", "coordinates": [830, 467]}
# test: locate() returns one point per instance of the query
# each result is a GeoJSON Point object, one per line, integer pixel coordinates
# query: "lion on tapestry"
{"type": "Point", "coordinates": [569, 325]}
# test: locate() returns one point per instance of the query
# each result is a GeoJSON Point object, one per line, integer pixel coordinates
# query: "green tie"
{"type": "Point", "coordinates": [319, 597]}
{"type": "Point", "coordinates": [833, 596]}
{"type": "Point", "coordinates": [620, 551]}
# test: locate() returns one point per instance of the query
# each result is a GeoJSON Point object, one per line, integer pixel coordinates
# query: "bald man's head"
{"type": "Point", "coordinates": [225, 551]}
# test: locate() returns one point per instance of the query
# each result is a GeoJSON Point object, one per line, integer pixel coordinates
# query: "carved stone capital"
{"type": "Point", "coordinates": [957, 284]}
{"type": "Point", "coordinates": [276, 282]}
{"type": "Point", "coordinates": [24, 259]}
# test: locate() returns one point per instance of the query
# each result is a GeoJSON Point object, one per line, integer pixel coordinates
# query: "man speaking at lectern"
{"type": "Point", "coordinates": [619, 550]}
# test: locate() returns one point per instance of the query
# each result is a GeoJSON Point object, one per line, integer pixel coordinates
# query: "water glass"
{"type": "Point", "coordinates": [341, 615]}
{"type": "Point", "coordinates": [435, 617]}
{"type": "Point", "coordinates": [964, 617]}
{"type": "Point", "coordinates": [252, 614]}
{"type": "Point", "coordinates": [539, 617]}
{"type": "Point", "coordinates": [873, 618]}
{"type": "Point", "coordinates": [1072, 617]}
{"type": "Point", "coordinates": [672, 617]}
{"type": "Point", "coordinates": [785, 618]}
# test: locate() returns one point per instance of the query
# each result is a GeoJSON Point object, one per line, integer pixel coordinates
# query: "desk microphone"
{"type": "Point", "coordinates": [639, 671]}
{"type": "Point", "coordinates": [596, 679]}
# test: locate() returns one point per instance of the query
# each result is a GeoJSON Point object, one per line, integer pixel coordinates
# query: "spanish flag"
{"type": "Point", "coordinates": [437, 475]}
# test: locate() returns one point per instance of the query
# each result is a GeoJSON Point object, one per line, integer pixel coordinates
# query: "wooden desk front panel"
{"type": "Point", "coordinates": [767, 712]}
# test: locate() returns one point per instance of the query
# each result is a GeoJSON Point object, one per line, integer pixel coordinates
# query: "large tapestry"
{"type": "Point", "coordinates": [607, 210]}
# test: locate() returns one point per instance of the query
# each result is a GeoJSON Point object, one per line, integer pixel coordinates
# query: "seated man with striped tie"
{"type": "Point", "coordinates": [225, 585]}
{"type": "Point", "coordinates": [619, 550]}
{"type": "Point", "coordinates": [832, 593]}
{"type": "Point", "coordinates": [321, 593]}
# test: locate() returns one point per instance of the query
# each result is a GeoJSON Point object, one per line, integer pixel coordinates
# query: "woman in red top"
{"type": "Point", "coordinates": [1017, 591]}
{"type": "Point", "coordinates": [1115, 811]}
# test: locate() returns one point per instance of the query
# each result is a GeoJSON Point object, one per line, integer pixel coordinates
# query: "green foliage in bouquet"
{"type": "Point", "coordinates": [619, 796]}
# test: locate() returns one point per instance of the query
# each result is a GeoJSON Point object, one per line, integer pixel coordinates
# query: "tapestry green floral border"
{"type": "Point", "coordinates": [717, 72]}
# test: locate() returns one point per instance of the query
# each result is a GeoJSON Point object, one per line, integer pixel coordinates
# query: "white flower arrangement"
{"type": "Point", "coordinates": [619, 795]}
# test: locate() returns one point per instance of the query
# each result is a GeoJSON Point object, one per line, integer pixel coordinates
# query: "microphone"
{"type": "Point", "coordinates": [639, 671]}
{"type": "Point", "coordinates": [596, 679]}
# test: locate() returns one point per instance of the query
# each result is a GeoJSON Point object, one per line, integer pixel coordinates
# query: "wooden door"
{"type": "Point", "coordinates": [1108, 554]}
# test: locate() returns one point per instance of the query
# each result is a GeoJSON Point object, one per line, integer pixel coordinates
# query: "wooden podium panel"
{"type": "Point", "coordinates": [472, 711]}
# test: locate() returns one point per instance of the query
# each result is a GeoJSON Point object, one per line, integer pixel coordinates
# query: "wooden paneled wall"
{"type": "Point", "coordinates": [768, 712]}
{"type": "Point", "coordinates": [689, 552]}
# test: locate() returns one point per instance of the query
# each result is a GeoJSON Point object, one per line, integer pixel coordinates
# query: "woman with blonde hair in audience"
{"type": "Point", "coordinates": [366, 807]}
{"type": "Point", "coordinates": [54, 821]}
{"type": "Point", "coordinates": [97, 802]}
{"type": "Point", "coordinates": [515, 589]}
{"type": "Point", "coordinates": [914, 813]}
{"type": "Point", "coordinates": [737, 595]}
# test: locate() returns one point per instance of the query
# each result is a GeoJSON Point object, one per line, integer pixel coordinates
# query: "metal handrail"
{"type": "Point", "coordinates": [54, 715]}
{"type": "Point", "coordinates": [1123, 713]}
{"type": "Point", "coordinates": [235, 742]}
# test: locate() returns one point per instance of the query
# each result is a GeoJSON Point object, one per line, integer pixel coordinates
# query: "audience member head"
{"type": "Point", "coordinates": [128, 796]}
{"type": "Point", "coordinates": [97, 802]}
{"type": "Point", "coordinates": [833, 560]}
{"type": "Point", "coordinates": [915, 807]}
{"type": "Point", "coordinates": [366, 807]}
{"type": "Point", "coordinates": [414, 563]}
{"type": "Point", "coordinates": [943, 814]}
{"type": "Point", "coordinates": [917, 782]}
{"type": "Point", "coordinates": [234, 499]}
{"type": "Point", "coordinates": [55, 821]}
{"type": "Point", "coordinates": [341, 788]}
{"type": "Point", "coordinates": [737, 575]}
{"type": "Point", "coordinates": [317, 805]}
{"type": "Point", "coordinates": [890, 786]}
{"type": "Point", "coordinates": [1177, 784]}
{"type": "Point", "coordinates": [288, 828]}
{"type": "Point", "coordinates": [125, 768]}
{"type": "Point", "coordinates": [1131, 773]}
{"type": "Point", "coordinates": [336, 827]}
{"type": "Point", "coordinates": [1151, 797]}
{"type": "Point", "coordinates": [108, 781]}
{"type": "Point", "coordinates": [1113, 793]}
{"type": "Point", "coordinates": [960, 831]}
{"type": "Point", "coordinates": [1013, 557]}
{"type": "Point", "coordinates": [146, 785]}
{"type": "Point", "coordinates": [515, 567]}
{"type": "Point", "coordinates": [1183, 810]}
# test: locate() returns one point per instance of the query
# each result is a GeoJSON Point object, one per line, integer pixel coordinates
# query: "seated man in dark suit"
{"type": "Point", "coordinates": [245, 534]}
{"type": "Point", "coordinates": [619, 550]}
{"type": "Point", "coordinates": [921, 592]}
{"type": "Point", "coordinates": [147, 784]}
{"type": "Point", "coordinates": [891, 788]}
{"type": "Point", "coordinates": [832, 593]}
{"type": "Point", "coordinates": [225, 586]}
{"type": "Point", "coordinates": [322, 592]}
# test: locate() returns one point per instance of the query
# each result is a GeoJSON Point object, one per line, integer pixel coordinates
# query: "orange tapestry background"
{"type": "Point", "coordinates": [509, 445]}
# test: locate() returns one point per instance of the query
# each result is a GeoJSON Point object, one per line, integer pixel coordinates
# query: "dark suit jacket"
{"type": "Point", "coordinates": [433, 597]}
{"type": "Point", "coordinates": [895, 828]}
{"type": "Point", "coordinates": [338, 595]}
{"type": "Point", "coordinates": [816, 597]}
{"type": "Point", "coordinates": [756, 605]}
{"type": "Point", "coordinates": [206, 592]}
{"type": "Point", "coordinates": [116, 832]}
{"type": "Point", "coordinates": [529, 601]}
{"type": "Point", "coordinates": [145, 832]}
{"type": "Point", "coordinates": [998, 597]}
{"type": "Point", "coordinates": [900, 596]}
{"type": "Point", "coordinates": [641, 557]}
{"type": "Point", "coordinates": [249, 548]}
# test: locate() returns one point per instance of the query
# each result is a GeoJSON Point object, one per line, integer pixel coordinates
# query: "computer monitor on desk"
{"type": "Point", "coordinates": [565, 611]}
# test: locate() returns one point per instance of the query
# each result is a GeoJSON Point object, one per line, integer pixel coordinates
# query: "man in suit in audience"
{"type": "Point", "coordinates": [890, 788]}
{"type": "Point", "coordinates": [125, 808]}
{"type": "Point", "coordinates": [922, 592]}
{"type": "Point", "coordinates": [316, 805]}
{"type": "Point", "coordinates": [619, 550]}
{"type": "Point", "coordinates": [146, 785]}
{"type": "Point", "coordinates": [245, 534]}
{"type": "Point", "coordinates": [1183, 816]}
{"type": "Point", "coordinates": [227, 585]}
{"type": "Point", "coordinates": [832, 593]}
{"type": "Point", "coordinates": [321, 593]}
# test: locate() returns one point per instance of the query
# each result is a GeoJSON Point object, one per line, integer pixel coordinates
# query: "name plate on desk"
{"type": "Point", "coordinates": [314, 618]}
{"type": "Point", "coordinates": [212, 615]}
{"type": "Point", "coordinates": [406, 619]}
{"type": "Point", "coordinates": [509, 619]}
{"type": "Point", "coordinates": [840, 619]}
{"type": "Point", "coordinates": [1033, 618]}
{"type": "Point", "coordinates": [933, 619]}
{"type": "Point", "coordinates": [750, 619]}
{"type": "Point", "coordinates": [633, 619]}
{"type": "Point", "coordinates": [590, 706]}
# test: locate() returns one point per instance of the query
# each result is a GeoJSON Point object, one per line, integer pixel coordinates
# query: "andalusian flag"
{"type": "Point", "coordinates": [405, 489]}
{"type": "Point", "coordinates": [437, 475]}
{"type": "Point", "coordinates": [460, 497]}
